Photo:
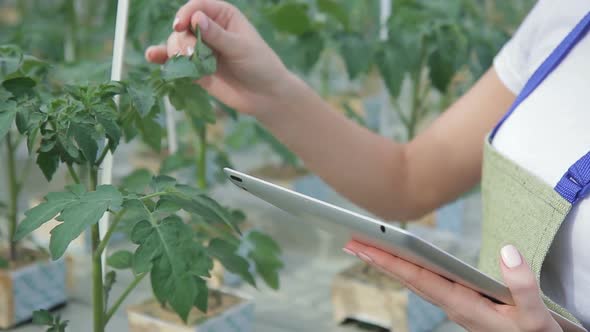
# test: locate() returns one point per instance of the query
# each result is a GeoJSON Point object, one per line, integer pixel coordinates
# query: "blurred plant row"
{"type": "Point", "coordinates": [56, 98]}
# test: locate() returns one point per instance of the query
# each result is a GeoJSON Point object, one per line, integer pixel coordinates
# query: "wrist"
{"type": "Point", "coordinates": [283, 95]}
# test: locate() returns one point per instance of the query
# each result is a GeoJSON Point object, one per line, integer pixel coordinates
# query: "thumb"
{"type": "Point", "coordinates": [214, 35]}
{"type": "Point", "coordinates": [522, 284]}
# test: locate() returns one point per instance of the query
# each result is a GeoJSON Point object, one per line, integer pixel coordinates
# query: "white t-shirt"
{"type": "Point", "coordinates": [549, 132]}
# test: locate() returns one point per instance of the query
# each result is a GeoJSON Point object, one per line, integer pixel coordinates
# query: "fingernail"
{"type": "Point", "coordinates": [365, 258]}
{"type": "Point", "coordinates": [175, 23]}
{"type": "Point", "coordinates": [348, 251]}
{"type": "Point", "coordinates": [189, 51]}
{"type": "Point", "coordinates": [203, 22]}
{"type": "Point", "coordinates": [510, 256]}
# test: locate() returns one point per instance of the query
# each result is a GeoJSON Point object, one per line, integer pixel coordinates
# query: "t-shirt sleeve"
{"type": "Point", "coordinates": [512, 63]}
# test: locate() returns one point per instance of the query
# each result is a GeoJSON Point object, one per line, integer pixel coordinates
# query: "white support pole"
{"type": "Point", "coordinates": [106, 176]}
{"type": "Point", "coordinates": [170, 126]}
{"type": "Point", "coordinates": [385, 118]}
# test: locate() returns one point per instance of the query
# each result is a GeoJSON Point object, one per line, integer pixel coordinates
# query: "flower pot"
{"type": "Point", "coordinates": [39, 283]}
{"type": "Point", "coordinates": [233, 314]}
{"type": "Point", "coordinates": [367, 295]}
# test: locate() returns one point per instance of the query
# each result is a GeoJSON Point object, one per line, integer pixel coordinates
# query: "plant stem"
{"type": "Point", "coordinates": [202, 158]}
{"type": "Point", "coordinates": [14, 193]}
{"type": "Point", "coordinates": [105, 240]}
{"type": "Point", "coordinates": [123, 296]}
{"type": "Point", "coordinates": [73, 174]}
{"type": "Point", "coordinates": [97, 281]}
{"type": "Point", "coordinates": [160, 193]}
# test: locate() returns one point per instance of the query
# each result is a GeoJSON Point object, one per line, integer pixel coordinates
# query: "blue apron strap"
{"type": "Point", "coordinates": [552, 61]}
{"type": "Point", "coordinates": [575, 183]}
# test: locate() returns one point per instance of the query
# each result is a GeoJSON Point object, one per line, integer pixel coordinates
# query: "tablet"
{"type": "Point", "coordinates": [382, 235]}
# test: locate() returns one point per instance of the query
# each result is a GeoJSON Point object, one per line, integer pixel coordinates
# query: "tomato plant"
{"type": "Point", "coordinates": [19, 96]}
{"type": "Point", "coordinates": [77, 128]}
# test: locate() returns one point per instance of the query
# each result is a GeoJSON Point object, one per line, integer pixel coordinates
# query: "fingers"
{"type": "Point", "coordinates": [214, 35]}
{"type": "Point", "coordinates": [463, 305]}
{"type": "Point", "coordinates": [525, 290]}
{"type": "Point", "coordinates": [156, 54]}
{"type": "Point", "coordinates": [180, 43]}
{"type": "Point", "coordinates": [219, 11]}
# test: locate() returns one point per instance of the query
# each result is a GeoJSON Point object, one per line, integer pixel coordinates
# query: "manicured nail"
{"type": "Point", "coordinates": [510, 256]}
{"type": "Point", "coordinates": [348, 251]}
{"type": "Point", "coordinates": [189, 51]}
{"type": "Point", "coordinates": [175, 23]}
{"type": "Point", "coordinates": [365, 258]}
{"type": "Point", "coordinates": [203, 22]}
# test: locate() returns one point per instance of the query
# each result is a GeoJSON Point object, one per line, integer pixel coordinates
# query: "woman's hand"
{"type": "Point", "coordinates": [250, 76]}
{"type": "Point", "coordinates": [465, 306]}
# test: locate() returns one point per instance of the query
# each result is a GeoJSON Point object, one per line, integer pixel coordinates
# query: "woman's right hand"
{"type": "Point", "coordinates": [250, 76]}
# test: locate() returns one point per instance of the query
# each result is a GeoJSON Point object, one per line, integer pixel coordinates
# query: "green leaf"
{"type": "Point", "coordinates": [226, 253]}
{"type": "Point", "coordinates": [42, 213]}
{"type": "Point", "coordinates": [175, 162]}
{"type": "Point", "coordinates": [142, 98]}
{"type": "Point", "coordinates": [290, 17]}
{"type": "Point", "coordinates": [151, 132]}
{"type": "Point", "coordinates": [357, 53]}
{"type": "Point", "coordinates": [20, 86]}
{"type": "Point", "coordinates": [42, 317]}
{"type": "Point", "coordinates": [169, 251]}
{"type": "Point", "coordinates": [134, 212]}
{"type": "Point", "coordinates": [265, 253]}
{"type": "Point", "coordinates": [87, 210]}
{"type": "Point", "coordinates": [179, 67]}
{"type": "Point", "coordinates": [203, 57]}
{"type": "Point", "coordinates": [120, 260]}
{"type": "Point", "coordinates": [163, 183]}
{"type": "Point", "coordinates": [194, 100]}
{"type": "Point", "coordinates": [86, 143]}
{"type": "Point", "coordinates": [109, 280]}
{"type": "Point", "coordinates": [137, 181]}
{"type": "Point", "coordinates": [202, 298]}
{"type": "Point", "coordinates": [48, 163]}
{"type": "Point", "coordinates": [335, 10]}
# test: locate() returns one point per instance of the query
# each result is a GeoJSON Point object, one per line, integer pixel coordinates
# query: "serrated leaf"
{"type": "Point", "coordinates": [227, 255]}
{"type": "Point", "coordinates": [142, 97]}
{"type": "Point", "coordinates": [42, 213]}
{"type": "Point", "coordinates": [75, 218]}
{"type": "Point", "coordinates": [202, 298]}
{"type": "Point", "coordinates": [137, 181]}
{"type": "Point", "coordinates": [265, 253]}
{"type": "Point", "coordinates": [86, 143]}
{"type": "Point", "coordinates": [179, 67]}
{"type": "Point", "coordinates": [48, 163]}
{"type": "Point", "coordinates": [357, 53]}
{"type": "Point", "coordinates": [134, 212]}
{"type": "Point", "coordinates": [120, 260]}
{"type": "Point", "coordinates": [168, 250]}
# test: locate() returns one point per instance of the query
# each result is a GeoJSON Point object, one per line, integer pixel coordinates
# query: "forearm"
{"type": "Point", "coordinates": [364, 167]}
{"type": "Point", "coordinates": [395, 181]}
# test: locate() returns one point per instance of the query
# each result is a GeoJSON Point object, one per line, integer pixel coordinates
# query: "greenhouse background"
{"type": "Point", "coordinates": [391, 66]}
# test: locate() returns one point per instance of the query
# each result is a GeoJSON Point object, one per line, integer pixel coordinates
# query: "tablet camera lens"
{"type": "Point", "coordinates": [382, 229]}
{"type": "Point", "coordinates": [235, 178]}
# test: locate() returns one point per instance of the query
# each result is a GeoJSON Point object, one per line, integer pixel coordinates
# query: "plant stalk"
{"type": "Point", "coordinates": [73, 174]}
{"type": "Point", "coordinates": [202, 158]}
{"type": "Point", "coordinates": [105, 241]}
{"type": "Point", "coordinates": [98, 304]}
{"type": "Point", "coordinates": [14, 193]}
{"type": "Point", "coordinates": [123, 296]}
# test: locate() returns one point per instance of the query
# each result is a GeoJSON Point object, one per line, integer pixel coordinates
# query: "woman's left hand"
{"type": "Point", "coordinates": [465, 306]}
